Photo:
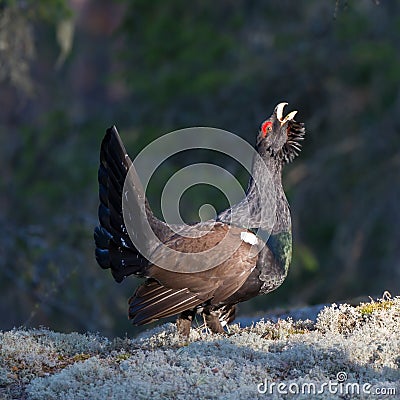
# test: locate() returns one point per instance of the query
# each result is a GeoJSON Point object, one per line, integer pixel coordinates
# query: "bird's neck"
{"type": "Point", "coordinates": [266, 197]}
{"type": "Point", "coordinates": [265, 206]}
{"type": "Point", "coordinates": [266, 175]}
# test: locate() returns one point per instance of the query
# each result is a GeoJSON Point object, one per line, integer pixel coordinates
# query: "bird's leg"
{"type": "Point", "coordinates": [206, 328]}
{"type": "Point", "coordinates": [184, 322]}
{"type": "Point", "coordinates": [212, 321]}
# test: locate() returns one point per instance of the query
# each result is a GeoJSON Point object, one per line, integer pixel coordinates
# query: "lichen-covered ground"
{"type": "Point", "coordinates": [349, 352]}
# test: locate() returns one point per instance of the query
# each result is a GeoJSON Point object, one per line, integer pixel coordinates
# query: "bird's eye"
{"type": "Point", "coordinates": [266, 128]}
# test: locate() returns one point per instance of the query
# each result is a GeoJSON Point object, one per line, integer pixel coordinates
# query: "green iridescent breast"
{"type": "Point", "coordinates": [281, 246]}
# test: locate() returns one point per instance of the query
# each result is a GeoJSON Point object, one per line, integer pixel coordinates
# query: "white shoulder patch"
{"type": "Point", "coordinates": [249, 237]}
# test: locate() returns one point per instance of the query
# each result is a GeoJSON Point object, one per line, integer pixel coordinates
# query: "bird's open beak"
{"type": "Point", "coordinates": [279, 113]}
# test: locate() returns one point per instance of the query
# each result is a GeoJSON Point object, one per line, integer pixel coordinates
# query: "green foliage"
{"type": "Point", "coordinates": [49, 11]}
{"type": "Point", "coordinates": [18, 47]}
{"type": "Point", "coordinates": [177, 51]}
{"type": "Point", "coordinates": [307, 259]}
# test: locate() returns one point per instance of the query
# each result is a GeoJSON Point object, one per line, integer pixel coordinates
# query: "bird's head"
{"type": "Point", "coordinates": [280, 137]}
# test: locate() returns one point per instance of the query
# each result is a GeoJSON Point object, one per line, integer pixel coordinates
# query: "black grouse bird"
{"type": "Point", "coordinates": [257, 244]}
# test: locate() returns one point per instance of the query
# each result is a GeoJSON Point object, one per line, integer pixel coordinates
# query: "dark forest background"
{"type": "Point", "coordinates": [70, 69]}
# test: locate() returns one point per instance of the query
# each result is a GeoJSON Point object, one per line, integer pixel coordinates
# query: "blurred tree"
{"type": "Point", "coordinates": [17, 44]}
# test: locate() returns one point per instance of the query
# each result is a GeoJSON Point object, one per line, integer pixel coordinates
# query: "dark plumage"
{"type": "Point", "coordinates": [256, 238]}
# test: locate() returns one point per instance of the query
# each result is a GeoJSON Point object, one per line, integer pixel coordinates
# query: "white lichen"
{"type": "Point", "coordinates": [362, 342]}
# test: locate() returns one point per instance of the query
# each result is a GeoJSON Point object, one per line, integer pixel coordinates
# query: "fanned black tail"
{"type": "Point", "coordinates": [114, 248]}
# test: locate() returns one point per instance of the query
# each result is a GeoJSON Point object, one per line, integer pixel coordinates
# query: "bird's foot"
{"type": "Point", "coordinates": [212, 322]}
{"type": "Point", "coordinates": [183, 325]}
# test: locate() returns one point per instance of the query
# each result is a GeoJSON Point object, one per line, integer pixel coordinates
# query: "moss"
{"type": "Point", "coordinates": [122, 357]}
{"type": "Point", "coordinates": [80, 357]}
{"type": "Point", "coordinates": [373, 306]}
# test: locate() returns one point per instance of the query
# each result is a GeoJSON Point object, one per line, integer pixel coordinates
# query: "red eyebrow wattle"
{"type": "Point", "coordinates": [265, 126]}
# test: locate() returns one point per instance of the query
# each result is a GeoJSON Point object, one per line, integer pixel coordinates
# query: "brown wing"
{"type": "Point", "coordinates": [170, 292]}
